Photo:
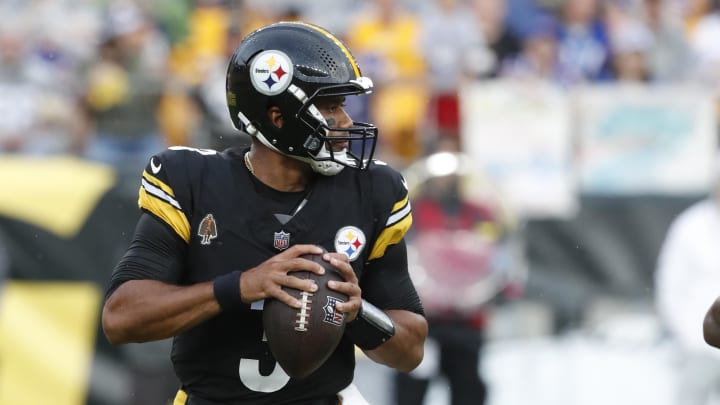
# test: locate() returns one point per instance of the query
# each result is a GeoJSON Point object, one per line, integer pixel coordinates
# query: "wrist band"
{"type": "Point", "coordinates": [371, 328]}
{"type": "Point", "coordinates": [227, 291]}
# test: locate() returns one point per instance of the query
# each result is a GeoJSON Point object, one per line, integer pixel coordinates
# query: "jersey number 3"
{"type": "Point", "coordinates": [253, 378]}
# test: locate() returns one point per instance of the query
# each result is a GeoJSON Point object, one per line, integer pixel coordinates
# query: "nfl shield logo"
{"type": "Point", "coordinates": [281, 240]}
{"type": "Point", "coordinates": [331, 314]}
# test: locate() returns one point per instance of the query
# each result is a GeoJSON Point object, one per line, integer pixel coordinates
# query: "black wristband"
{"type": "Point", "coordinates": [227, 291]}
{"type": "Point", "coordinates": [371, 328]}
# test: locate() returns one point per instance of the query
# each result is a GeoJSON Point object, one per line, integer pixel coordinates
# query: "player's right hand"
{"type": "Point", "coordinates": [268, 278]}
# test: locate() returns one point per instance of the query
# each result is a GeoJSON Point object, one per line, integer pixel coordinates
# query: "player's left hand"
{"type": "Point", "coordinates": [349, 287]}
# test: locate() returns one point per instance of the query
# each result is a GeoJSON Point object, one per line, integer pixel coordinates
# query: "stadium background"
{"type": "Point", "coordinates": [596, 164]}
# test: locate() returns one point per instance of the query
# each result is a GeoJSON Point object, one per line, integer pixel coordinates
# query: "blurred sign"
{"type": "Point", "coordinates": [519, 134]}
{"type": "Point", "coordinates": [646, 139]}
{"type": "Point", "coordinates": [47, 341]}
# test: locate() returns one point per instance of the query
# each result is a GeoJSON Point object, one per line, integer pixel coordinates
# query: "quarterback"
{"type": "Point", "coordinates": [222, 231]}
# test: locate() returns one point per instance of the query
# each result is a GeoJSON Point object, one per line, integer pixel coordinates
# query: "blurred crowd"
{"type": "Point", "coordinates": [115, 80]}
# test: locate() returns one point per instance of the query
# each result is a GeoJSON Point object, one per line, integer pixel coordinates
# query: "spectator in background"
{"type": "Point", "coordinates": [37, 115]}
{"type": "Point", "coordinates": [538, 59]}
{"type": "Point", "coordinates": [583, 43]}
{"type": "Point", "coordinates": [386, 41]}
{"type": "Point", "coordinates": [216, 130]}
{"type": "Point", "coordinates": [463, 251]}
{"type": "Point", "coordinates": [669, 56]}
{"type": "Point", "coordinates": [693, 11]}
{"type": "Point", "coordinates": [687, 280]}
{"type": "Point", "coordinates": [124, 87]}
{"type": "Point", "coordinates": [18, 97]}
{"type": "Point", "coordinates": [193, 111]}
{"type": "Point", "coordinates": [453, 48]}
{"type": "Point", "coordinates": [503, 42]}
{"type": "Point", "coordinates": [631, 44]}
{"type": "Point", "coordinates": [703, 38]}
{"type": "Point", "coordinates": [519, 12]}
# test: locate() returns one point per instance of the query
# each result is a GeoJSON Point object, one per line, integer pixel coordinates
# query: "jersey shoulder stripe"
{"type": "Point", "coordinates": [158, 198]}
{"type": "Point", "coordinates": [390, 186]}
{"type": "Point", "coordinates": [396, 227]}
{"type": "Point", "coordinates": [400, 210]}
{"type": "Point", "coordinates": [157, 188]}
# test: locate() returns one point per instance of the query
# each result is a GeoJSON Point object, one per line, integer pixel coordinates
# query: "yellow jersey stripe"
{"type": "Point", "coordinates": [158, 183]}
{"type": "Point", "coordinates": [343, 48]}
{"type": "Point", "coordinates": [398, 205]}
{"type": "Point", "coordinates": [180, 398]}
{"type": "Point", "coordinates": [391, 235]}
{"type": "Point", "coordinates": [165, 210]}
{"type": "Point", "coordinates": [399, 211]}
{"type": "Point", "coordinates": [159, 193]}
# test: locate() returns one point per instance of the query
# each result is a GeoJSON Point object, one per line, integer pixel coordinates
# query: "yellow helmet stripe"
{"type": "Point", "coordinates": [342, 46]}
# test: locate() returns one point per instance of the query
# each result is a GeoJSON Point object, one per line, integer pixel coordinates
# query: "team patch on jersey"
{"type": "Point", "coordinates": [281, 241]}
{"type": "Point", "coordinates": [271, 72]}
{"type": "Point", "coordinates": [207, 229]}
{"type": "Point", "coordinates": [332, 315]}
{"type": "Point", "coordinates": [350, 240]}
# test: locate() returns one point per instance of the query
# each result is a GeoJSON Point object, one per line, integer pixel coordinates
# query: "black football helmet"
{"type": "Point", "coordinates": [290, 65]}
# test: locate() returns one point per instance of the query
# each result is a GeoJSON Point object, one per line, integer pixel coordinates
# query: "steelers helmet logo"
{"type": "Point", "coordinates": [271, 72]}
{"type": "Point", "coordinates": [351, 241]}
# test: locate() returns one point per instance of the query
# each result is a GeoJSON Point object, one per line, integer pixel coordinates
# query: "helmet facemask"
{"type": "Point", "coordinates": [357, 143]}
{"type": "Point", "coordinates": [319, 153]}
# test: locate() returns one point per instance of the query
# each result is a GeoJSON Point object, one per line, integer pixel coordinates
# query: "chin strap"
{"type": "Point", "coordinates": [328, 167]}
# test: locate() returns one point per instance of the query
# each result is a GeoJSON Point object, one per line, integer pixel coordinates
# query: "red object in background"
{"type": "Point", "coordinates": [456, 268]}
{"type": "Point", "coordinates": [445, 110]}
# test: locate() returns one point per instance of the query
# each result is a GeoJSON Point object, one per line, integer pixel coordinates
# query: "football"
{"type": "Point", "coordinates": [302, 339]}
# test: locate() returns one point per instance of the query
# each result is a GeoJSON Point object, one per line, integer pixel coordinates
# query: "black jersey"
{"type": "Point", "coordinates": [229, 221]}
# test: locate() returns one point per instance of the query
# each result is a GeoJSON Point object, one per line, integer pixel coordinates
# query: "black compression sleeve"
{"type": "Point", "coordinates": [386, 282]}
{"type": "Point", "coordinates": [155, 252]}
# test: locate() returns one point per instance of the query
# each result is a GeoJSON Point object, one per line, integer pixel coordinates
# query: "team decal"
{"type": "Point", "coordinates": [271, 72]}
{"type": "Point", "coordinates": [281, 241]}
{"type": "Point", "coordinates": [350, 240]}
{"type": "Point", "coordinates": [207, 229]}
{"type": "Point", "coordinates": [332, 315]}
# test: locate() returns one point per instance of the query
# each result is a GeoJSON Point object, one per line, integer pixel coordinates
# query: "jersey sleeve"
{"type": "Point", "coordinates": [155, 253]}
{"type": "Point", "coordinates": [392, 204]}
{"type": "Point", "coordinates": [166, 188]}
{"type": "Point", "coordinates": [387, 283]}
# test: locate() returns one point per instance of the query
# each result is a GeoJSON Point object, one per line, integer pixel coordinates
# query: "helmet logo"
{"type": "Point", "coordinates": [271, 72]}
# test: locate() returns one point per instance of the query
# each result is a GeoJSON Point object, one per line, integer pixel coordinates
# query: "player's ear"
{"type": "Point", "coordinates": [275, 116]}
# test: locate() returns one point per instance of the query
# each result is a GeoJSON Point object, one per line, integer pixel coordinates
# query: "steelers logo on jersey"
{"type": "Point", "coordinates": [350, 240]}
{"type": "Point", "coordinates": [271, 72]}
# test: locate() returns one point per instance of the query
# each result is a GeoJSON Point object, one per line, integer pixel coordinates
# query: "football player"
{"type": "Point", "coordinates": [222, 231]}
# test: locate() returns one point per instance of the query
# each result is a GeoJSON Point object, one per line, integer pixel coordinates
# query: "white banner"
{"type": "Point", "coordinates": [519, 134]}
{"type": "Point", "coordinates": [646, 139]}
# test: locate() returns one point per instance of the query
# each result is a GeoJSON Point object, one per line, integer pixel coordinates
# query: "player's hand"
{"type": "Point", "coordinates": [349, 287]}
{"type": "Point", "coordinates": [268, 278]}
